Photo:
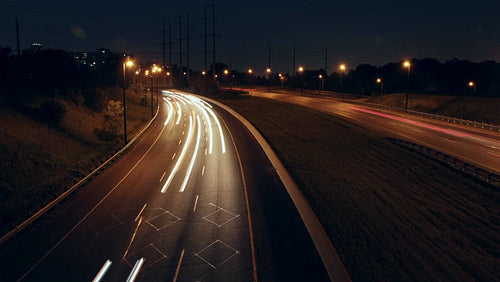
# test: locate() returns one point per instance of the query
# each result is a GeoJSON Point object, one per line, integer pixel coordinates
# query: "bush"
{"type": "Point", "coordinates": [95, 99]}
{"type": "Point", "coordinates": [112, 121]}
{"type": "Point", "coordinates": [52, 111]}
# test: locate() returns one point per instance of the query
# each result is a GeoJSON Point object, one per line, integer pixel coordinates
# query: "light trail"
{"type": "Point", "coordinates": [181, 157]}
{"type": "Point", "coordinates": [210, 133]}
{"type": "Point", "coordinates": [103, 270]}
{"type": "Point", "coordinates": [220, 128]}
{"type": "Point", "coordinates": [135, 270]}
{"type": "Point", "coordinates": [193, 158]}
{"type": "Point", "coordinates": [179, 113]}
{"type": "Point", "coordinates": [169, 104]}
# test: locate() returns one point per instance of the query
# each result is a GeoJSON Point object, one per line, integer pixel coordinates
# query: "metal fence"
{"type": "Point", "coordinates": [468, 168]}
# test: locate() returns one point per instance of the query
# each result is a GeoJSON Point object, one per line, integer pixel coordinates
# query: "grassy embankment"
{"type": "Point", "coordinates": [392, 214]}
{"type": "Point", "coordinates": [40, 161]}
{"type": "Point", "coordinates": [483, 109]}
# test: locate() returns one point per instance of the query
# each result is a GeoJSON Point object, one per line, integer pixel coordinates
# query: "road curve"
{"type": "Point", "coordinates": [477, 146]}
{"type": "Point", "coordinates": [175, 207]}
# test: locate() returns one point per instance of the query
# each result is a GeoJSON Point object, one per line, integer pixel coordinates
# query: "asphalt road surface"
{"type": "Point", "coordinates": [194, 200]}
{"type": "Point", "coordinates": [477, 146]}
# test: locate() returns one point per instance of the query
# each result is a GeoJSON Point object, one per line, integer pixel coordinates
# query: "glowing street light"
{"type": "Point", "coordinates": [407, 65]}
{"type": "Point", "coordinates": [321, 83]}
{"type": "Point", "coordinates": [250, 71]}
{"type": "Point", "coordinates": [203, 72]}
{"type": "Point", "coordinates": [342, 69]}
{"type": "Point", "coordinates": [226, 72]}
{"type": "Point", "coordinates": [381, 82]}
{"type": "Point", "coordinates": [301, 69]}
{"type": "Point", "coordinates": [473, 86]}
{"type": "Point", "coordinates": [126, 63]}
{"type": "Point", "coordinates": [268, 70]}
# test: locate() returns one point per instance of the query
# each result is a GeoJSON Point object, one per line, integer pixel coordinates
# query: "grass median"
{"type": "Point", "coordinates": [391, 214]}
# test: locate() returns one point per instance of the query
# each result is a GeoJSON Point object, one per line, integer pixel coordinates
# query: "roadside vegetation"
{"type": "Point", "coordinates": [392, 214]}
{"type": "Point", "coordinates": [58, 121]}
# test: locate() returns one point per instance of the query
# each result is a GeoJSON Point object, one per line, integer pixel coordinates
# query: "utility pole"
{"type": "Point", "coordinates": [163, 43]}
{"type": "Point", "coordinates": [17, 38]}
{"type": "Point", "coordinates": [170, 43]}
{"type": "Point", "coordinates": [326, 60]}
{"type": "Point", "coordinates": [205, 34]}
{"type": "Point", "coordinates": [293, 57]}
{"type": "Point", "coordinates": [187, 47]}
{"type": "Point", "coordinates": [269, 55]}
{"type": "Point", "coordinates": [180, 49]}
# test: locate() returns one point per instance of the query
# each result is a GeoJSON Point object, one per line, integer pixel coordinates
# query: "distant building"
{"type": "Point", "coordinates": [36, 47]}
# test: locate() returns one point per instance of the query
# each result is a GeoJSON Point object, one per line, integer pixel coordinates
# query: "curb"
{"type": "Point", "coordinates": [331, 260]}
{"type": "Point", "coordinates": [61, 197]}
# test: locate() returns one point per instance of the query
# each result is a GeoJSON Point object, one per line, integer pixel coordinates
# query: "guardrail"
{"type": "Point", "coordinates": [82, 181]}
{"type": "Point", "coordinates": [468, 168]}
{"type": "Point", "coordinates": [477, 124]}
{"type": "Point", "coordinates": [351, 98]}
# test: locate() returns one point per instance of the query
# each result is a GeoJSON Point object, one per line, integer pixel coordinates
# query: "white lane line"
{"type": "Point", "coordinates": [205, 151]}
{"type": "Point", "coordinates": [173, 156]}
{"type": "Point", "coordinates": [193, 158]}
{"type": "Point", "coordinates": [417, 130]}
{"type": "Point", "coordinates": [101, 272]}
{"type": "Point", "coordinates": [135, 270]}
{"type": "Point", "coordinates": [181, 157]}
{"type": "Point", "coordinates": [179, 266]}
{"type": "Point", "coordinates": [195, 203]}
{"type": "Point", "coordinates": [180, 141]}
{"type": "Point", "coordinates": [183, 132]}
{"type": "Point", "coordinates": [133, 237]}
{"type": "Point", "coordinates": [203, 171]}
{"type": "Point", "coordinates": [163, 175]}
{"type": "Point", "coordinates": [139, 215]}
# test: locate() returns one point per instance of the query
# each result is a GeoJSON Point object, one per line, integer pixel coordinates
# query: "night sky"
{"type": "Point", "coordinates": [374, 32]}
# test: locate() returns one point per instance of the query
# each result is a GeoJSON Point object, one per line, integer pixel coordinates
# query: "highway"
{"type": "Point", "coordinates": [474, 145]}
{"type": "Point", "coordinates": [194, 200]}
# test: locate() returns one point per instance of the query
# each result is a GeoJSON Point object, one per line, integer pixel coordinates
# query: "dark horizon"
{"type": "Point", "coordinates": [376, 34]}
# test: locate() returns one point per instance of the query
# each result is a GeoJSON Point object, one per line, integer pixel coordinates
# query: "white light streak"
{"type": "Point", "coordinates": [135, 270]}
{"type": "Point", "coordinates": [103, 270]}
{"type": "Point", "coordinates": [181, 157]}
{"type": "Point", "coordinates": [169, 104]}
{"type": "Point", "coordinates": [193, 158]}
{"type": "Point", "coordinates": [220, 129]}
{"type": "Point", "coordinates": [179, 113]}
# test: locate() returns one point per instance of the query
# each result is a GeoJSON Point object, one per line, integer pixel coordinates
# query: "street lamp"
{"type": "Point", "coordinates": [407, 65]}
{"type": "Point", "coordinates": [321, 80]}
{"type": "Point", "coordinates": [126, 63]}
{"type": "Point", "coordinates": [268, 70]}
{"type": "Point", "coordinates": [301, 70]}
{"type": "Point", "coordinates": [342, 69]}
{"type": "Point", "coordinates": [250, 73]}
{"type": "Point", "coordinates": [473, 86]}
{"type": "Point", "coordinates": [381, 82]}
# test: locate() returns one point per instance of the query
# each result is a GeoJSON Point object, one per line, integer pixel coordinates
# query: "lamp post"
{"type": "Point", "coordinates": [320, 86]}
{"type": "Point", "coordinates": [407, 65]}
{"type": "Point", "coordinates": [126, 63]}
{"type": "Point", "coordinates": [301, 71]}
{"type": "Point", "coordinates": [282, 78]}
{"type": "Point", "coordinates": [250, 73]}
{"type": "Point", "coordinates": [381, 82]}
{"type": "Point", "coordinates": [268, 71]}
{"type": "Point", "coordinates": [228, 77]}
{"type": "Point", "coordinates": [342, 69]}
{"type": "Point", "coordinates": [153, 71]}
{"type": "Point", "coordinates": [472, 84]}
